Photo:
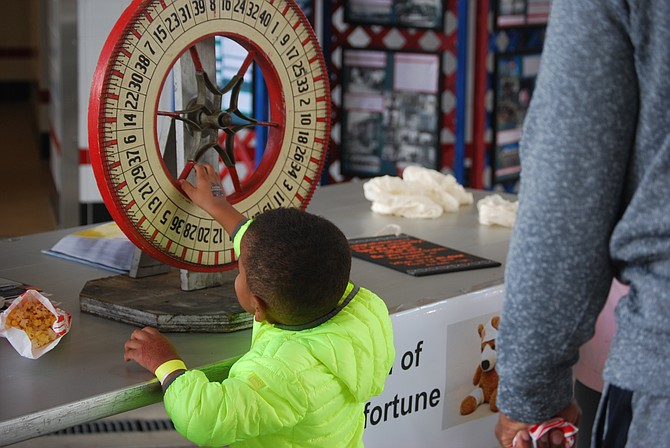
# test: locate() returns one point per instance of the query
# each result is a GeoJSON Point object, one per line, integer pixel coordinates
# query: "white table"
{"type": "Point", "coordinates": [85, 378]}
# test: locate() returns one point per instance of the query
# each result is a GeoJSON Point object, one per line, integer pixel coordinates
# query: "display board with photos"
{"type": "Point", "coordinates": [399, 13]}
{"type": "Point", "coordinates": [390, 111]}
{"type": "Point", "coordinates": [514, 13]}
{"type": "Point", "coordinates": [515, 82]}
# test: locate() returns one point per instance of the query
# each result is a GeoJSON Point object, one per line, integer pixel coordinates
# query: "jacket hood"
{"type": "Point", "coordinates": [356, 345]}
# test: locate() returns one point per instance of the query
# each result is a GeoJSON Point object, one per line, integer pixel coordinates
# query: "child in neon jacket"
{"type": "Point", "coordinates": [321, 346]}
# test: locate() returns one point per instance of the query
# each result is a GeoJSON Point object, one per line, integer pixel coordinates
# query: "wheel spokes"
{"type": "Point", "coordinates": [205, 117]}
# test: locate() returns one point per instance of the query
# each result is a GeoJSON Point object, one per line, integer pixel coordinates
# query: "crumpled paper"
{"type": "Point", "coordinates": [420, 193]}
{"type": "Point", "coordinates": [495, 210]}
{"type": "Point", "coordinates": [20, 340]}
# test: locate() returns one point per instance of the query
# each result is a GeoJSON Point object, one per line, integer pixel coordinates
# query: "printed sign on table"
{"type": "Point", "coordinates": [438, 349]}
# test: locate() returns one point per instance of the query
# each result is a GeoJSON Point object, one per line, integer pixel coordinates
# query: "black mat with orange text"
{"type": "Point", "coordinates": [415, 256]}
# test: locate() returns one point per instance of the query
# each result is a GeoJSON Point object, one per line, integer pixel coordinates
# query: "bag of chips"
{"type": "Point", "coordinates": [33, 325]}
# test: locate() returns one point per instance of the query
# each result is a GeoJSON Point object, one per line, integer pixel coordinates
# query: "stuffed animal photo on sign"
{"type": "Point", "coordinates": [485, 379]}
{"type": "Point", "coordinates": [471, 383]}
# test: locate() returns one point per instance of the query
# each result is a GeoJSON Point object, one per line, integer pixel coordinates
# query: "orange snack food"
{"type": "Point", "coordinates": [35, 319]}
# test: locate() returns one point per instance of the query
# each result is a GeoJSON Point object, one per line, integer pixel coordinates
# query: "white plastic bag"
{"type": "Point", "coordinates": [495, 210]}
{"type": "Point", "coordinates": [22, 343]}
{"type": "Point", "coordinates": [420, 193]}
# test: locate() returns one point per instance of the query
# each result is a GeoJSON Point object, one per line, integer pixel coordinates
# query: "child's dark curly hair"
{"type": "Point", "coordinates": [297, 262]}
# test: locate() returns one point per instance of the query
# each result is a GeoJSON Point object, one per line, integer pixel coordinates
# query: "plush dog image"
{"type": "Point", "coordinates": [486, 377]}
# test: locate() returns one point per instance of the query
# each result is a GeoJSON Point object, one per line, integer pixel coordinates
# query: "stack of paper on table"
{"type": "Point", "coordinates": [103, 246]}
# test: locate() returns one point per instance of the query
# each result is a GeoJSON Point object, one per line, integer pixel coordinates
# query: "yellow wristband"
{"type": "Point", "coordinates": [168, 367]}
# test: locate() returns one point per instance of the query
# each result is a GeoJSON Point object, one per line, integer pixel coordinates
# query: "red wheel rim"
{"type": "Point", "coordinates": [141, 196]}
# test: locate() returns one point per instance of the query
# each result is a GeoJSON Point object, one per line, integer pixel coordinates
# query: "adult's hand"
{"type": "Point", "coordinates": [511, 433]}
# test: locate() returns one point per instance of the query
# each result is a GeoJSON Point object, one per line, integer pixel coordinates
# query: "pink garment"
{"type": "Point", "coordinates": [592, 354]}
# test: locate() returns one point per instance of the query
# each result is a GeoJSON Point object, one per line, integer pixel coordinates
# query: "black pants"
{"type": "Point", "coordinates": [616, 413]}
{"type": "Point", "coordinates": [588, 400]}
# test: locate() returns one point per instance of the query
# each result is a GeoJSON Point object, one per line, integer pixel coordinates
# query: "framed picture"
{"type": "Point", "coordinates": [515, 76]}
{"type": "Point", "coordinates": [513, 13]}
{"type": "Point", "coordinates": [399, 13]}
{"type": "Point", "coordinates": [390, 111]}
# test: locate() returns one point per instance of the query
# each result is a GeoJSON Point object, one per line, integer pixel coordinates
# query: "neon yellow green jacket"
{"type": "Point", "coordinates": [293, 388]}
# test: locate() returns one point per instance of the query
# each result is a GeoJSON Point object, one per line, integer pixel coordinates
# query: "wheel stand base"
{"type": "Point", "coordinates": [159, 302]}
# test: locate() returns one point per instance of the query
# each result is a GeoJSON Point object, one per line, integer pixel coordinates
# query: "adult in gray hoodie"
{"type": "Point", "coordinates": [594, 204]}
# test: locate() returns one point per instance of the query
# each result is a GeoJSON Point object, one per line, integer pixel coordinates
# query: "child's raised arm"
{"type": "Point", "coordinates": [208, 194]}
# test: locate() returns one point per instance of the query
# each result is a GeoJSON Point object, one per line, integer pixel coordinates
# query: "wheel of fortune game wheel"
{"type": "Point", "coordinates": [126, 116]}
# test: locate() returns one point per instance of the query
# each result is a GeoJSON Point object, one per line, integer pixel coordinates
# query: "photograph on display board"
{"type": "Point", "coordinates": [514, 13]}
{"type": "Point", "coordinates": [471, 378]}
{"type": "Point", "coordinates": [363, 134]}
{"type": "Point", "coordinates": [508, 163]}
{"type": "Point", "coordinates": [515, 81]}
{"type": "Point", "coordinates": [390, 110]}
{"type": "Point", "coordinates": [400, 13]}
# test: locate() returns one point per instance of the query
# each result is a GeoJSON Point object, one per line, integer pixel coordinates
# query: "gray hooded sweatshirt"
{"type": "Point", "coordinates": [594, 203]}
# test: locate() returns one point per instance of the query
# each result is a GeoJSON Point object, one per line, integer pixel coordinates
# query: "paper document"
{"type": "Point", "coordinates": [103, 246]}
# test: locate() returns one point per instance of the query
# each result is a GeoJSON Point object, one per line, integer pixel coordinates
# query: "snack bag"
{"type": "Point", "coordinates": [33, 325]}
{"type": "Point", "coordinates": [569, 431]}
